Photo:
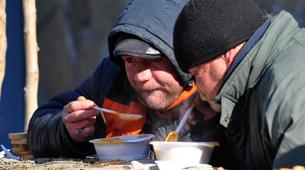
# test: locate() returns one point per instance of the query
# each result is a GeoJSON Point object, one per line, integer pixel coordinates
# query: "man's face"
{"type": "Point", "coordinates": [154, 80]}
{"type": "Point", "coordinates": [209, 77]}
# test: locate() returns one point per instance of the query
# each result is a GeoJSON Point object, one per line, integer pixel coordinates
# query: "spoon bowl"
{"type": "Point", "coordinates": [173, 136]}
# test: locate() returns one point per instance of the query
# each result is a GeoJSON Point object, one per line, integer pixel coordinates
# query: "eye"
{"type": "Point", "coordinates": [128, 60]}
{"type": "Point", "coordinates": [161, 62]}
{"type": "Point", "coordinates": [193, 72]}
{"type": "Point", "coordinates": [162, 59]}
{"type": "Point", "coordinates": [196, 71]}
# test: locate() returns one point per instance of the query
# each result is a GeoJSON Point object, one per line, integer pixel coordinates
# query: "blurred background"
{"type": "Point", "coordinates": [72, 38]}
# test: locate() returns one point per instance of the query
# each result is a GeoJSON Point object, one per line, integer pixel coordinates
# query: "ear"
{"type": "Point", "coordinates": [232, 53]}
{"type": "Point", "coordinates": [229, 57]}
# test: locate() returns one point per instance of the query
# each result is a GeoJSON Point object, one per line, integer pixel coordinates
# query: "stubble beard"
{"type": "Point", "coordinates": [158, 102]}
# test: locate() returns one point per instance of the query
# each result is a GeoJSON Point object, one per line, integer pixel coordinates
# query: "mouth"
{"type": "Point", "coordinates": [147, 94]}
{"type": "Point", "coordinates": [148, 90]}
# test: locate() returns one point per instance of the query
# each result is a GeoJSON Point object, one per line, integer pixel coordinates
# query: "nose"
{"type": "Point", "coordinates": [143, 75]}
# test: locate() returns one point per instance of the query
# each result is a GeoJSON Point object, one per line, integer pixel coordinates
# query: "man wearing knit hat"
{"type": "Point", "coordinates": [249, 68]}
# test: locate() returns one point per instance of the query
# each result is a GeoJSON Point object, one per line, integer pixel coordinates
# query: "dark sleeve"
{"type": "Point", "coordinates": [48, 136]}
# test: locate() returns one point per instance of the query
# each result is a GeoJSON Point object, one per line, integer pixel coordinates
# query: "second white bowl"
{"type": "Point", "coordinates": [188, 152]}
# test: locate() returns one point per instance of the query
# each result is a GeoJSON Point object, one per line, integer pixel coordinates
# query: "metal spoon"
{"type": "Point", "coordinates": [173, 136]}
{"type": "Point", "coordinates": [125, 116]}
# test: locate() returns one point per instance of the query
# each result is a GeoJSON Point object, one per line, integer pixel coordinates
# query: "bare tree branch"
{"type": "Point", "coordinates": [31, 51]}
{"type": "Point", "coordinates": [3, 42]}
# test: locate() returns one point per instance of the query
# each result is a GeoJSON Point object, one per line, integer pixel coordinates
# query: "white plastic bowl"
{"type": "Point", "coordinates": [129, 147]}
{"type": "Point", "coordinates": [186, 152]}
{"type": "Point", "coordinates": [176, 165]}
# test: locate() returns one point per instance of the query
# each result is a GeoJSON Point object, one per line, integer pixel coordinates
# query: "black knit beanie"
{"type": "Point", "coordinates": [206, 29]}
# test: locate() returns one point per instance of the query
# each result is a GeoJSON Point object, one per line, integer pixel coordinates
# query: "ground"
{"type": "Point", "coordinates": [87, 164]}
{"type": "Point", "coordinates": [61, 164]}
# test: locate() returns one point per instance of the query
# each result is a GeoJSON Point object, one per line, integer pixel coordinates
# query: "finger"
{"type": "Point", "coordinates": [79, 124]}
{"type": "Point", "coordinates": [75, 128]}
{"type": "Point", "coordinates": [85, 133]}
{"type": "Point", "coordinates": [81, 115]}
{"type": "Point", "coordinates": [81, 98]}
{"type": "Point", "coordinates": [191, 117]}
{"type": "Point", "coordinates": [93, 120]}
{"type": "Point", "coordinates": [192, 120]}
{"type": "Point", "coordinates": [79, 105]}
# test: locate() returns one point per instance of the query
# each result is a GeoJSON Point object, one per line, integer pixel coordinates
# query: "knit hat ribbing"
{"type": "Point", "coordinates": [206, 29]}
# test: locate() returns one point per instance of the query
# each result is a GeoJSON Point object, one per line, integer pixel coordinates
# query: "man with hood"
{"type": "Point", "coordinates": [140, 76]}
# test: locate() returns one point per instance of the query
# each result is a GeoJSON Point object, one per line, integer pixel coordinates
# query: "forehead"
{"type": "Point", "coordinates": [161, 63]}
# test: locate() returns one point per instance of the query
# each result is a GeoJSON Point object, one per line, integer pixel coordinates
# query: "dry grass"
{"type": "Point", "coordinates": [60, 164]}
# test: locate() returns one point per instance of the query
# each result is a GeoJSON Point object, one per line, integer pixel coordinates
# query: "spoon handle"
{"type": "Point", "coordinates": [137, 116]}
{"type": "Point", "coordinates": [184, 118]}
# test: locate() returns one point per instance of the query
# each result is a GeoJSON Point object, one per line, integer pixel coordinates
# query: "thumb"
{"type": "Point", "coordinates": [81, 98]}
